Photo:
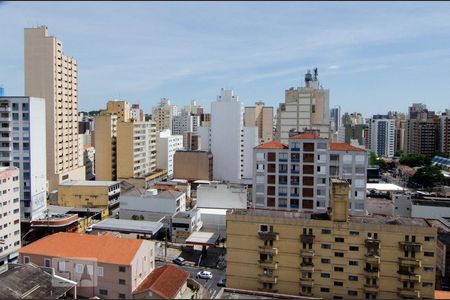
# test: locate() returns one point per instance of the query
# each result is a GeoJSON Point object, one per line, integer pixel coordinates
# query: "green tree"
{"type": "Point", "coordinates": [427, 176]}
{"type": "Point", "coordinates": [415, 160]}
{"type": "Point", "coordinates": [374, 160]}
{"type": "Point", "coordinates": [134, 217]}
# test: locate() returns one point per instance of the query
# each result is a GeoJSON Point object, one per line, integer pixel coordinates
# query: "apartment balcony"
{"type": "Point", "coordinates": [308, 253]}
{"type": "Point", "coordinates": [296, 160]}
{"type": "Point", "coordinates": [268, 250]}
{"type": "Point", "coordinates": [268, 235]}
{"type": "Point", "coordinates": [5, 129]}
{"type": "Point", "coordinates": [308, 282]}
{"type": "Point", "coordinates": [372, 244]}
{"type": "Point", "coordinates": [307, 238]}
{"type": "Point", "coordinates": [6, 119]}
{"type": "Point", "coordinates": [9, 148]}
{"type": "Point", "coordinates": [411, 246]}
{"type": "Point", "coordinates": [373, 259]}
{"type": "Point", "coordinates": [267, 278]}
{"type": "Point", "coordinates": [409, 292]}
{"type": "Point", "coordinates": [270, 264]}
{"type": "Point", "coordinates": [307, 267]}
{"type": "Point", "coordinates": [409, 262]}
{"type": "Point", "coordinates": [372, 273]}
{"type": "Point", "coordinates": [409, 276]}
{"type": "Point", "coordinates": [268, 290]}
{"type": "Point", "coordinates": [371, 288]}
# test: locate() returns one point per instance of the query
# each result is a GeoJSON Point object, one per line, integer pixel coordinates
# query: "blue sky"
{"type": "Point", "coordinates": [373, 57]}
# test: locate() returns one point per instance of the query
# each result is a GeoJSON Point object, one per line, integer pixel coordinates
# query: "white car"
{"type": "Point", "coordinates": [89, 229]}
{"type": "Point", "coordinates": [204, 275]}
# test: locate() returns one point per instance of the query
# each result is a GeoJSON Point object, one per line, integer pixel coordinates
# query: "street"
{"type": "Point", "coordinates": [211, 284]}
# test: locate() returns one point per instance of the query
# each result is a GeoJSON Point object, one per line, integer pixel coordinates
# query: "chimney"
{"type": "Point", "coordinates": [339, 200]}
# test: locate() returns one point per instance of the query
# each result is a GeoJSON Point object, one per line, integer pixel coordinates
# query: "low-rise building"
{"type": "Point", "coordinates": [184, 223]}
{"type": "Point", "coordinates": [103, 266]}
{"type": "Point", "coordinates": [193, 165]}
{"type": "Point", "coordinates": [220, 195]}
{"type": "Point", "coordinates": [90, 194]}
{"type": "Point", "coordinates": [331, 255]}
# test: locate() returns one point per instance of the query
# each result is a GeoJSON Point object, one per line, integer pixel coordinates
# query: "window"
{"type": "Point", "coordinates": [352, 278]}
{"type": "Point", "coordinates": [326, 231]}
{"type": "Point", "coordinates": [339, 240]}
{"type": "Point", "coordinates": [61, 266]}
{"type": "Point", "coordinates": [325, 260]}
{"type": "Point", "coordinates": [354, 233]}
{"type": "Point", "coordinates": [103, 292]}
{"type": "Point", "coordinates": [352, 293]}
{"type": "Point", "coordinates": [26, 259]}
{"type": "Point", "coordinates": [79, 268]}
{"type": "Point", "coordinates": [428, 269]}
{"type": "Point", "coordinates": [325, 275]}
{"type": "Point", "coordinates": [354, 248]}
{"type": "Point", "coordinates": [338, 283]}
{"type": "Point", "coordinates": [429, 238]}
{"type": "Point", "coordinates": [122, 296]}
{"type": "Point", "coordinates": [429, 254]}
{"type": "Point", "coordinates": [353, 263]}
{"type": "Point", "coordinates": [325, 290]}
{"type": "Point", "coordinates": [338, 269]}
{"type": "Point", "coordinates": [122, 281]}
{"type": "Point", "coordinates": [263, 228]}
{"type": "Point", "coordinates": [338, 254]}
{"type": "Point", "coordinates": [47, 262]}
{"type": "Point", "coordinates": [326, 246]}
{"type": "Point", "coordinates": [427, 285]}
{"type": "Point", "coordinates": [100, 271]}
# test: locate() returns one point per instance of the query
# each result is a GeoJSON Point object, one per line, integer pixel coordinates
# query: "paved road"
{"type": "Point", "coordinates": [211, 284]}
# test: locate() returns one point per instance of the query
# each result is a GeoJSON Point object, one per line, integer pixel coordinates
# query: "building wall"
{"type": "Point", "coordinates": [88, 195]}
{"type": "Point", "coordinates": [166, 146]}
{"type": "Point", "coordinates": [120, 108]}
{"type": "Point", "coordinates": [152, 203]}
{"type": "Point", "coordinates": [51, 75]}
{"type": "Point", "coordinates": [10, 211]}
{"type": "Point", "coordinates": [382, 137]}
{"type": "Point", "coordinates": [106, 147]}
{"type": "Point", "coordinates": [205, 137]}
{"type": "Point", "coordinates": [422, 137]}
{"type": "Point", "coordinates": [193, 165]}
{"type": "Point", "coordinates": [262, 117]}
{"type": "Point", "coordinates": [250, 141]}
{"type": "Point", "coordinates": [221, 196]}
{"type": "Point", "coordinates": [163, 114]}
{"type": "Point", "coordinates": [293, 273]}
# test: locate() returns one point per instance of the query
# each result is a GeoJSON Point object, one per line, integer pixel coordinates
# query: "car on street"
{"type": "Point", "coordinates": [178, 261]}
{"type": "Point", "coordinates": [222, 282]}
{"type": "Point", "coordinates": [204, 275]}
{"type": "Point", "coordinates": [89, 229]}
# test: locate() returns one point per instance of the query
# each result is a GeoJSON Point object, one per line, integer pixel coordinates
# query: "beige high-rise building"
{"type": "Point", "coordinates": [105, 147]}
{"type": "Point", "coordinates": [262, 117]}
{"type": "Point", "coordinates": [120, 108]}
{"type": "Point", "coordinates": [52, 75]}
{"type": "Point", "coordinates": [304, 108]}
{"type": "Point", "coordinates": [163, 114]}
{"type": "Point", "coordinates": [136, 149]}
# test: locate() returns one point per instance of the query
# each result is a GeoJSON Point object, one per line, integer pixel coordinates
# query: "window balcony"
{"type": "Point", "coordinates": [283, 171]}
{"type": "Point", "coordinates": [307, 253]}
{"type": "Point", "coordinates": [373, 259]}
{"type": "Point", "coordinates": [372, 273]}
{"type": "Point", "coordinates": [307, 238]}
{"type": "Point", "coordinates": [268, 289]}
{"type": "Point", "coordinates": [307, 267]}
{"type": "Point", "coordinates": [409, 292]}
{"type": "Point", "coordinates": [409, 262]}
{"type": "Point", "coordinates": [371, 288]}
{"type": "Point", "coordinates": [308, 282]}
{"type": "Point", "coordinates": [268, 250]}
{"type": "Point", "coordinates": [268, 235]}
{"type": "Point", "coordinates": [270, 264]}
{"type": "Point", "coordinates": [295, 195]}
{"type": "Point", "coordinates": [409, 276]}
{"type": "Point", "coordinates": [267, 278]}
{"type": "Point", "coordinates": [411, 246]}
{"type": "Point", "coordinates": [295, 171]}
{"type": "Point", "coordinates": [282, 194]}
{"type": "Point", "coordinates": [372, 244]}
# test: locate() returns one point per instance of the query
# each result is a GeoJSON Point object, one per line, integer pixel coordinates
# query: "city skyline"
{"type": "Point", "coordinates": [190, 50]}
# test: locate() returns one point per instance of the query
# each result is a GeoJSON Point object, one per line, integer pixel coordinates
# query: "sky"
{"type": "Point", "coordinates": [373, 56]}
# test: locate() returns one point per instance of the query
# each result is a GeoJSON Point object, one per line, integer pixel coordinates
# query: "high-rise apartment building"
{"type": "Point", "coordinates": [10, 211]}
{"type": "Point", "coordinates": [295, 176]}
{"type": "Point", "coordinates": [304, 108]}
{"type": "Point", "coordinates": [191, 141]}
{"type": "Point", "coordinates": [422, 136]}
{"type": "Point", "coordinates": [166, 146]}
{"type": "Point", "coordinates": [185, 122]}
{"type": "Point", "coordinates": [106, 147]}
{"type": "Point", "coordinates": [335, 118]}
{"type": "Point", "coordinates": [22, 145]}
{"type": "Point", "coordinates": [444, 123]}
{"type": "Point", "coordinates": [260, 116]}
{"type": "Point", "coordinates": [121, 108]}
{"type": "Point", "coordinates": [331, 255]}
{"type": "Point", "coordinates": [382, 136]}
{"type": "Point", "coordinates": [419, 111]}
{"type": "Point", "coordinates": [163, 114]}
{"type": "Point", "coordinates": [137, 113]}
{"type": "Point", "coordinates": [53, 76]}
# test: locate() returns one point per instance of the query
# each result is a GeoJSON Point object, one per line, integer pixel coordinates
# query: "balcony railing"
{"type": "Point", "coordinates": [308, 282]}
{"type": "Point", "coordinates": [307, 253]}
{"type": "Point", "coordinates": [270, 264]}
{"type": "Point", "coordinates": [409, 276]}
{"type": "Point", "coordinates": [409, 292]}
{"type": "Point", "coordinates": [268, 250]}
{"type": "Point", "coordinates": [307, 267]}
{"type": "Point", "coordinates": [411, 246]}
{"type": "Point", "coordinates": [372, 273]}
{"type": "Point", "coordinates": [295, 171]}
{"type": "Point", "coordinates": [268, 235]}
{"type": "Point", "coordinates": [307, 238]}
{"type": "Point", "coordinates": [372, 244]}
{"type": "Point", "coordinates": [409, 261]}
{"type": "Point", "coordinates": [269, 290]}
{"type": "Point", "coordinates": [371, 288]}
{"type": "Point", "coordinates": [266, 278]}
{"type": "Point", "coordinates": [373, 259]}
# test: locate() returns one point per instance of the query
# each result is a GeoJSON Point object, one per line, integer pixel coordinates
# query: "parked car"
{"type": "Point", "coordinates": [222, 282]}
{"type": "Point", "coordinates": [204, 275]}
{"type": "Point", "coordinates": [178, 261]}
{"type": "Point", "coordinates": [89, 229]}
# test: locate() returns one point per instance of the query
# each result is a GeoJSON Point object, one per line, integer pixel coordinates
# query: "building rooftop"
{"type": "Point", "coordinates": [105, 248]}
{"type": "Point", "coordinates": [230, 293]}
{"type": "Point", "coordinates": [185, 214]}
{"type": "Point", "coordinates": [88, 183]}
{"type": "Point", "coordinates": [128, 226]}
{"type": "Point", "coordinates": [384, 187]}
{"type": "Point", "coordinates": [28, 281]}
{"type": "Point", "coordinates": [344, 147]}
{"type": "Point", "coordinates": [165, 281]}
{"type": "Point", "coordinates": [203, 238]}
{"type": "Point", "coordinates": [272, 145]}
{"type": "Point", "coordinates": [307, 136]}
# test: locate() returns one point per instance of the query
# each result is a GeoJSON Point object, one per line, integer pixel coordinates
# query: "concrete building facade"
{"type": "Point", "coordinates": [422, 136]}
{"type": "Point", "coordinates": [120, 108]}
{"type": "Point", "coordinates": [106, 147]}
{"type": "Point", "coordinates": [23, 146]}
{"type": "Point", "coordinates": [53, 76]}
{"type": "Point", "coordinates": [10, 212]}
{"type": "Point", "coordinates": [193, 165]}
{"type": "Point", "coordinates": [166, 146]}
{"type": "Point", "coordinates": [260, 116]}
{"type": "Point", "coordinates": [382, 136]}
{"type": "Point", "coordinates": [163, 114]}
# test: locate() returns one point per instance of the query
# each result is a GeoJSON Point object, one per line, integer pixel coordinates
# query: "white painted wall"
{"type": "Point", "coordinates": [221, 196]}
{"type": "Point", "coordinates": [166, 145]}
{"type": "Point", "coordinates": [429, 212]}
{"type": "Point", "coordinates": [148, 202]}
{"type": "Point", "coordinates": [250, 142]}
{"type": "Point", "coordinates": [205, 137]}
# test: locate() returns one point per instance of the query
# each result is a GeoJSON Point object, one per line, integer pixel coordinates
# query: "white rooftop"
{"type": "Point", "coordinates": [88, 183]}
{"type": "Point", "coordinates": [203, 238]}
{"type": "Point", "coordinates": [390, 187]}
{"type": "Point", "coordinates": [213, 211]}
{"type": "Point", "coordinates": [131, 226]}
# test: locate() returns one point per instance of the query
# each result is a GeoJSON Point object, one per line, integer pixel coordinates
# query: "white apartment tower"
{"type": "Point", "coordinates": [304, 108]}
{"type": "Point", "coordinates": [382, 136]}
{"type": "Point", "coordinates": [22, 145]}
{"type": "Point", "coordinates": [166, 146]}
{"type": "Point", "coordinates": [10, 211]}
{"type": "Point", "coordinates": [185, 122]}
{"type": "Point", "coordinates": [163, 114]}
{"type": "Point", "coordinates": [53, 76]}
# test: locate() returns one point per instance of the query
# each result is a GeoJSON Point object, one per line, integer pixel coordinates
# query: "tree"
{"type": "Point", "coordinates": [134, 217]}
{"type": "Point", "coordinates": [427, 176]}
{"type": "Point", "coordinates": [374, 160]}
{"type": "Point", "coordinates": [415, 160]}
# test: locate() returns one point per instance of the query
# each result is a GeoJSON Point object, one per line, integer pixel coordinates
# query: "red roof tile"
{"type": "Point", "coordinates": [307, 135]}
{"type": "Point", "coordinates": [105, 248]}
{"type": "Point", "coordinates": [344, 147]}
{"type": "Point", "coordinates": [272, 145]}
{"type": "Point", "coordinates": [438, 294]}
{"type": "Point", "coordinates": [166, 281]}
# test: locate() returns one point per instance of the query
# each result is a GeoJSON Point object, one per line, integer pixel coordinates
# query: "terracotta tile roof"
{"type": "Point", "coordinates": [85, 147]}
{"type": "Point", "coordinates": [166, 187]}
{"type": "Point", "coordinates": [272, 145]}
{"type": "Point", "coordinates": [105, 248]}
{"type": "Point", "coordinates": [344, 147]}
{"type": "Point", "coordinates": [438, 294]}
{"type": "Point", "coordinates": [307, 135]}
{"type": "Point", "coordinates": [165, 281]}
